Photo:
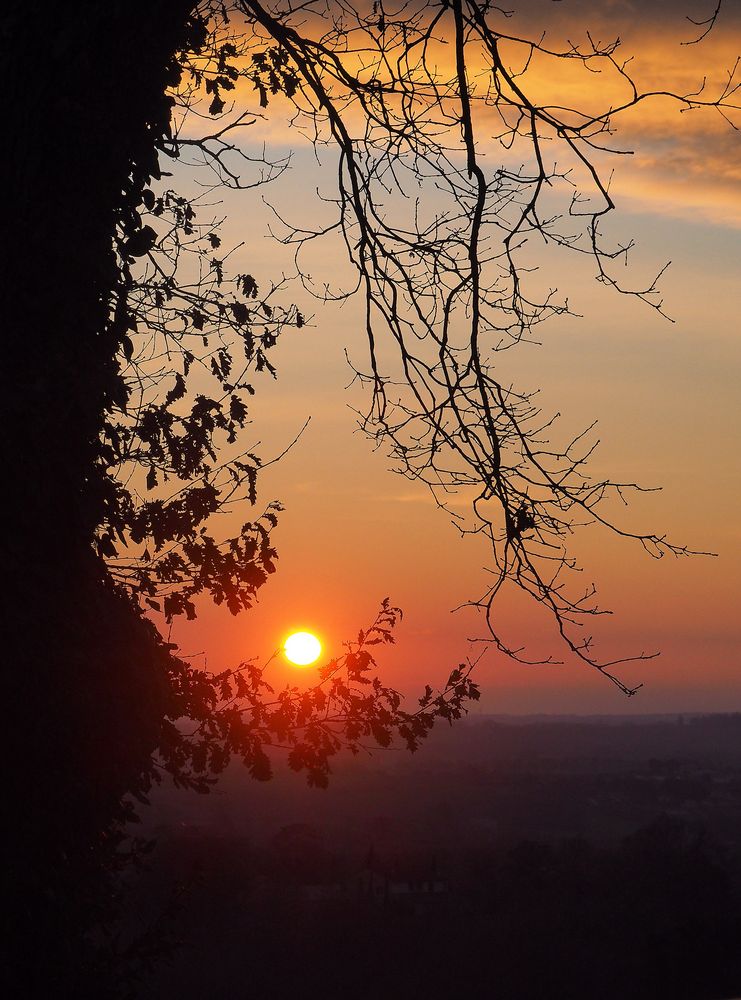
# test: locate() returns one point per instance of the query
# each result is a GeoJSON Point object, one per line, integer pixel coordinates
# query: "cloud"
{"type": "Point", "coordinates": [632, 20]}
{"type": "Point", "coordinates": [684, 164]}
{"type": "Point", "coordinates": [685, 172]}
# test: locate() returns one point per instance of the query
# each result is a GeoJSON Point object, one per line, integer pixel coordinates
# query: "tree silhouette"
{"type": "Point", "coordinates": [116, 295]}
{"type": "Point", "coordinates": [441, 239]}
{"type": "Point", "coordinates": [441, 247]}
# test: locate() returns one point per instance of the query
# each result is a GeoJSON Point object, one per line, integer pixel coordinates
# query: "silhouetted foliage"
{"type": "Point", "coordinates": [237, 714]}
{"type": "Point", "coordinates": [441, 245]}
{"type": "Point", "coordinates": [440, 232]}
{"type": "Point", "coordinates": [657, 913]}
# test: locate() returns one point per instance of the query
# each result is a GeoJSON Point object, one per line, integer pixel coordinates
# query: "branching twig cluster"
{"type": "Point", "coordinates": [450, 170]}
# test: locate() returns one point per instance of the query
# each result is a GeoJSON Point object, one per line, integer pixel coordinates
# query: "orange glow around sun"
{"type": "Point", "coordinates": [302, 648]}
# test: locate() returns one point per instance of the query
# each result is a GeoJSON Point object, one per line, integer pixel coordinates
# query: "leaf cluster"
{"type": "Point", "coordinates": [238, 715]}
{"type": "Point", "coordinates": [192, 340]}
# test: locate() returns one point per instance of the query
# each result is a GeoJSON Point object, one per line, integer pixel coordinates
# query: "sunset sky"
{"type": "Point", "coordinates": [666, 396]}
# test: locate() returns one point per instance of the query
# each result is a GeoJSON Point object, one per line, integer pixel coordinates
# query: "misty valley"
{"type": "Point", "coordinates": [541, 857]}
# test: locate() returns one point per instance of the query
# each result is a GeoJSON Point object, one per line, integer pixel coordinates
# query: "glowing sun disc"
{"type": "Point", "coordinates": [302, 648]}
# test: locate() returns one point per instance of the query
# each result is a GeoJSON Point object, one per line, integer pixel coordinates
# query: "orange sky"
{"type": "Point", "coordinates": [667, 400]}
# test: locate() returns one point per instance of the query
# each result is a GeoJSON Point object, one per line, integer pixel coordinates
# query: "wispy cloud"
{"type": "Point", "coordinates": [683, 164]}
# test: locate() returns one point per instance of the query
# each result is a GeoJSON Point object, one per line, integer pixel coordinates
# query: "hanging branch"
{"type": "Point", "coordinates": [441, 245]}
{"type": "Point", "coordinates": [449, 168]}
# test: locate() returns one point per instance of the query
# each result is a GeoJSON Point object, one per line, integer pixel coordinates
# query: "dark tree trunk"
{"type": "Point", "coordinates": [84, 106]}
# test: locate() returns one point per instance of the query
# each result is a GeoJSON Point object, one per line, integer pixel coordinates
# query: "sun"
{"type": "Point", "coordinates": [302, 648]}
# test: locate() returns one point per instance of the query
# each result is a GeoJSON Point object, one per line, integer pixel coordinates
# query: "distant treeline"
{"type": "Point", "coordinates": [656, 915]}
{"type": "Point", "coordinates": [490, 782]}
{"type": "Point", "coordinates": [510, 859]}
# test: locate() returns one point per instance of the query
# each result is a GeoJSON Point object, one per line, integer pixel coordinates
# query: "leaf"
{"type": "Point", "coordinates": [177, 391]}
{"type": "Point", "coordinates": [237, 410]}
{"type": "Point", "coordinates": [240, 312]}
{"type": "Point", "coordinates": [141, 242]}
{"type": "Point", "coordinates": [248, 284]}
{"type": "Point", "coordinates": [106, 546]}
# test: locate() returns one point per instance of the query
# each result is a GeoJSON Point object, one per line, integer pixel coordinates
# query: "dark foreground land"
{"type": "Point", "coordinates": [509, 859]}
